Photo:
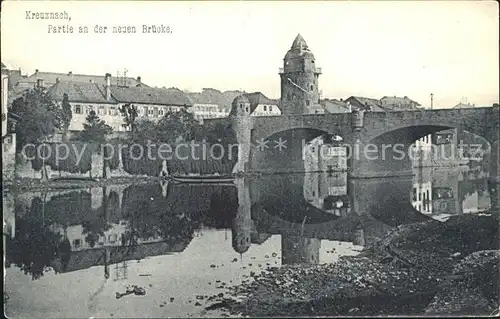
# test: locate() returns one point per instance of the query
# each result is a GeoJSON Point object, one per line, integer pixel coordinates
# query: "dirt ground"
{"type": "Point", "coordinates": [430, 268]}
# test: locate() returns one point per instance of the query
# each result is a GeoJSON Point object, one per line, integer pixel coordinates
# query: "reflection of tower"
{"type": "Point", "coordinates": [242, 223]}
{"type": "Point", "coordinates": [299, 250]}
{"type": "Point", "coordinates": [242, 124]}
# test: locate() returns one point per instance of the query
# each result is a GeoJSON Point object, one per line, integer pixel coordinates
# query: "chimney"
{"type": "Point", "coordinates": [36, 71]}
{"type": "Point", "coordinates": [139, 79]}
{"type": "Point", "coordinates": [70, 73]}
{"type": "Point", "coordinates": [39, 83]}
{"type": "Point", "coordinates": [108, 86]}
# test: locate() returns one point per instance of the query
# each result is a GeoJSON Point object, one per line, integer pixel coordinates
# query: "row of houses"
{"type": "Point", "coordinates": [106, 94]}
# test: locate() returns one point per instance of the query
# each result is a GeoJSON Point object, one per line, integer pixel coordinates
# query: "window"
{"type": "Point", "coordinates": [414, 194]}
{"type": "Point", "coordinates": [112, 238]}
{"type": "Point", "coordinates": [312, 87]}
{"type": "Point", "coordinates": [112, 111]}
{"type": "Point", "coordinates": [270, 108]}
{"type": "Point", "coordinates": [246, 109]}
{"type": "Point", "coordinates": [89, 109]}
{"type": "Point", "coordinates": [265, 108]}
{"type": "Point", "coordinates": [146, 111]}
{"type": "Point", "coordinates": [78, 109]}
{"type": "Point", "coordinates": [77, 243]}
{"type": "Point", "coordinates": [308, 102]}
{"type": "Point", "coordinates": [161, 111]}
{"type": "Point", "coordinates": [102, 110]}
{"type": "Point", "coordinates": [155, 111]}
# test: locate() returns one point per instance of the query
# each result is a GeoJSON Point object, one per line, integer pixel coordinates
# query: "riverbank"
{"type": "Point", "coordinates": [429, 268]}
{"type": "Point", "coordinates": [26, 184]}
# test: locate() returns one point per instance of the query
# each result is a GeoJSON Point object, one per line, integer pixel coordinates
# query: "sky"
{"type": "Point", "coordinates": [365, 48]}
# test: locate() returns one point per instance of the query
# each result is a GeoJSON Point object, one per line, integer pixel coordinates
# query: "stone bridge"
{"type": "Point", "coordinates": [363, 133]}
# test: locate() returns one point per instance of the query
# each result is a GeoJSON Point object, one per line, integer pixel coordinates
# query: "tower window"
{"type": "Point", "coordinates": [312, 87]}
{"type": "Point", "coordinates": [246, 109]}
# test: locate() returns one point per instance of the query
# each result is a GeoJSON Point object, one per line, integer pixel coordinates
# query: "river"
{"type": "Point", "coordinates": [69, 252]}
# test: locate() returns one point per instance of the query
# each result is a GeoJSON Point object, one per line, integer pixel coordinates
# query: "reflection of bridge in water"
{"type": "Point", "coordinates": [109, 225]}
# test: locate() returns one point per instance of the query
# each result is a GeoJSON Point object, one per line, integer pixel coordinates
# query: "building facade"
{"type": "Point", "coordinates": [106, 101]}
{"type": "Point", "coordinates": [8, 137]}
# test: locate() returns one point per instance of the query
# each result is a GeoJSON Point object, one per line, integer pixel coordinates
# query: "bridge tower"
{"type": "Point", "coordinates": [299, 80]}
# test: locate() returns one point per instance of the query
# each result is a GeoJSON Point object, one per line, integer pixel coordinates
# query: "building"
{"type": "Point", "coordinates": [395, 103]}
{"type": "Point", "coordinates": [211, 103]}
{"type": "Point", "coordinates": [107, 99]}
{"type": "Point", "coordinates": [335, 106]}
{"type": "Point", "coordinates": [421, 197]}
{"type": "Point", "coordinates": [8, 137]}
{"type": "Point", "coordinates": [359, 103]}
{"type": "Point", "coordinates": [299, 81]}
{"type": "Point", "coordinates": [261, 105]}
{"type": "Point", "coordinates": [50, 78]}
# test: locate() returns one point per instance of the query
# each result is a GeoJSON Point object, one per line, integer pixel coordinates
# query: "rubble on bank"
{"type": "Point", "coordinates": [417, 269]}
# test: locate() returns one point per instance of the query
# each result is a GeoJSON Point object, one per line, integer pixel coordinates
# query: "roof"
{"type": "Point", "coordinates": [370, 104]}
{"type": "Point", "coordinates": [213, 96]}
{"type": "Point", "coordinates": [51, 78]}
{"type": "Point", "coordinates": [96, 93]}
{"type": "Point", "coordinates": [335, 106]}
{"type": "Point", "coordinates": [14, 77]}
{"type": "Point", "coordinates": [299, 49]}
{"type": "Point", "coordinates": [254, 99]}
{"type": "Point", "coordinates": [79, 92]}
{"type": "Point", "coordinates": [402, 103]}
{"type": "Point", "coordinates": [147, 95]}
{"type": "Point", "coordinates": [464, 106]}
{"type": "Point", "coordinates": [257, 98]}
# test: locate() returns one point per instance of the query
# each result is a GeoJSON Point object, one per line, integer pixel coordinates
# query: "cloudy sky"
{"type": "Point", "coordinates": [365, 48]}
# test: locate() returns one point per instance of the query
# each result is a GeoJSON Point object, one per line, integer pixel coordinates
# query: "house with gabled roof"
{"type": "Point", "coordinates": [261, 105]}
{"type": "Point", "coordinates": [107, 99]}
{"type": "Point", "coordinates": [365, 104]}
{"type": "Point", "coordinates": [395, 103]}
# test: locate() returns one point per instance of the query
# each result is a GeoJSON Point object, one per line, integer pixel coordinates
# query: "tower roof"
{"type": "Point", "coordinates": [299, 49]}
{"type": "Point", "coordinates": [299, 42]}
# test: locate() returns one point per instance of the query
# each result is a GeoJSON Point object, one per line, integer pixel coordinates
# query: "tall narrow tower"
{"type": "Point", "coordinates": [299, 79]}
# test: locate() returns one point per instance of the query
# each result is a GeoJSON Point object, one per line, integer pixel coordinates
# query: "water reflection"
{"type": "Point", "coordinates": [188, 237]}
{"type": "Point", "coordinates": [443, 192]}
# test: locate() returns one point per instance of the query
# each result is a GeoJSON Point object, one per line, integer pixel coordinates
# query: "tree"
{"type": "Point", "coordinates": [39, 116]}
{"type": "Point", "coordinates": [129, 113]}
{"type": "Point", "coordinates": [66, 115]}
{"type": "Point", "coordinates": [177, 125]}
{"type": "Point", "coordinates": [94, 129]}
